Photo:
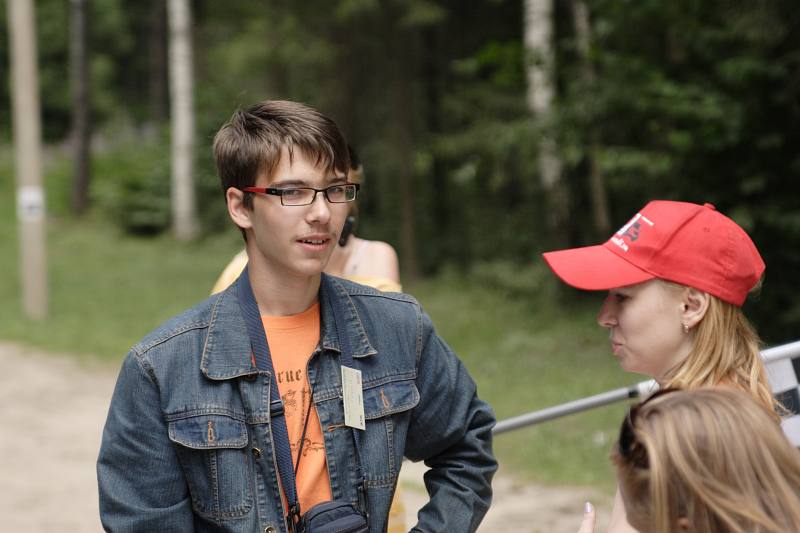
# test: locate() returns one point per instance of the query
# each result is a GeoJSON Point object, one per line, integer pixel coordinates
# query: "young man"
{"type": "Point", "coordinates": [192, 440]}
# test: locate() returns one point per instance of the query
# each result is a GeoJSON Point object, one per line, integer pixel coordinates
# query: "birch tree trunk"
{"type": "Point", "coordinates": [538, 37]}
{"type": "Point", "coordinates": [28, 155]}
{"type": "Point", "coordinates": [184, 211]}
{"type": "Point", "coordinates": [81, 113]}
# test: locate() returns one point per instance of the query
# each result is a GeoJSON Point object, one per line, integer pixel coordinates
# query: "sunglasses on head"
{"type": "Point", "coordinates": [629, 446]}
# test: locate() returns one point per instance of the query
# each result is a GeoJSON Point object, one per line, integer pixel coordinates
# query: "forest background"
{"type": "Point", "coordinates": [469, 173]}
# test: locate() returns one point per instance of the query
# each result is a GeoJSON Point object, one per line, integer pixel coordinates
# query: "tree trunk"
{"type": "Point", "coordinates": [432, 75]}
{"type": "Point", "coordinates": [28, 154]}
{"type": "Point", "coordinates": [184, 217]}
{"type": "Point", "coordinates": [400, 53]}
{"type": "Point", "coordinates": [538, 37]}
{"type": "Point", "coordinates": [405, 152]}
{"type": "Point", "coordinates": [81, 107]}
{"type": "Point", "coordinates": [597, 184]}
{"type": "Point", "coordinates": [157, 63]}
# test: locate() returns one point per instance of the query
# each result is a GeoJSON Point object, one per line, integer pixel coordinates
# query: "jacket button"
{"type": "Point", "coordinates": [270, 529]}
{"type": "Point", "coordinates": [257, 454]}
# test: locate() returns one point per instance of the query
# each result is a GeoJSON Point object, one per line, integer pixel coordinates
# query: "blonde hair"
{"type": "Point", "coordinates": [691, 460]}
{"type": "Point", "coordinates": [725, 350]}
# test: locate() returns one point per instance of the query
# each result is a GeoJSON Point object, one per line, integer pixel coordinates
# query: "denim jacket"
{"type": "Point", "coordinates": [187, 444]}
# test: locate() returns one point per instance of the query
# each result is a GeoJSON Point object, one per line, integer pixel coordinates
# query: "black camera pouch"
{"type": "Point", "coordinates": [334, 517]}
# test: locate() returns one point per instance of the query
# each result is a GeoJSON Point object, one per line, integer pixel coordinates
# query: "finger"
{"type": "Point", "coordinates": [587, 526]}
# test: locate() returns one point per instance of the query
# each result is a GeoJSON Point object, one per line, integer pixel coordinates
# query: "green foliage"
{"type": "Point", "coordinates": [696, 104]}
{"type": "Point", "coordinates": [7, 195]}
{"type": "Point", "coordinates": [118, 52]}
{"type": "Point", "coordinates": [113, 52]}
{"type": "Point", "coordinates": [107, 288]}
{"type": "Point", "coordinates": [684, 100]}
{"type": "Point", "coordinates": [132, 187]}
{"type": "Point", "coordinates": [5, 85]}
{"type": "Point", "coordinates": [532, 282]}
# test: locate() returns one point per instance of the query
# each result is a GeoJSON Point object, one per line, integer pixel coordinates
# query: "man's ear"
{"type": "Point", "coordinates": [695, 305]}
{"type": "Point", "coordinates": [239, 213]}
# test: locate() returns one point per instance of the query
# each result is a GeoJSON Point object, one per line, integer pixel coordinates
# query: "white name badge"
{"type": "Point", "coordinates": [353, 397]}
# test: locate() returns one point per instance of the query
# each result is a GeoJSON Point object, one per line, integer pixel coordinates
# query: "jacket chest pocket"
{"type": "Point", "coordinates": [212, 450]}
{"type": "Point", "coordinates": [387, 408]}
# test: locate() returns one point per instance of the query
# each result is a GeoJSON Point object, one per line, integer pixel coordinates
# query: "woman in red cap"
{"type": "Point", "coordinates": [676, 274]}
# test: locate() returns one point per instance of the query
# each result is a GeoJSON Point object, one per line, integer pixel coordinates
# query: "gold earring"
{"type": "Point", "coordinates": [685, 328]}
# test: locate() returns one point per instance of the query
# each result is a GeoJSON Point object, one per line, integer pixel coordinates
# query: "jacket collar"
{"type": "Point", "coordinates": [331, 289]}
{"type": "Point", "coordinates": [227, 353]}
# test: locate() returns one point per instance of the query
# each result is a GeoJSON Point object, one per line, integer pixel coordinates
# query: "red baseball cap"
{"type": "Point", "coordinates": [686, 243]}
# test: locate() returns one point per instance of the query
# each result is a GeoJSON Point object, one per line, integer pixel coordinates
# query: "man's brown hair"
{"type": "Point", "coordinates": [250, 142]}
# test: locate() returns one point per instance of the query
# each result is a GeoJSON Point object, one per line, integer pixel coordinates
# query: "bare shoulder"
{"type": "Point", "coordinates": [380, 249]}
{"type": "Point", "coordinates": [380, 259]}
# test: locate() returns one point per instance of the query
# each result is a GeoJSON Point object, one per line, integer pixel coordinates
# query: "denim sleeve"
{"type": "Point", "coordinates": [141, 484]}
{"type": "Point", "coordinates": [451, 431]}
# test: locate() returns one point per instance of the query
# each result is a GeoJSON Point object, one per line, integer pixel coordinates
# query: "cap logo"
{"type": "Point", "coordinates": [630, 231]}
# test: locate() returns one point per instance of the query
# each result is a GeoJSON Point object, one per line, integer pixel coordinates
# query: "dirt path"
{"type": "Point", "coordinates": [52, 411]}
{"type": "Point", "coordinates": [53, 408]}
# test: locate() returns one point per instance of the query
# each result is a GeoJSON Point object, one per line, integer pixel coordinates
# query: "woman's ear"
{"type": "Point", "coordinates": [239, 213]}
{"type": "Point", "coordinates": [695, 305]}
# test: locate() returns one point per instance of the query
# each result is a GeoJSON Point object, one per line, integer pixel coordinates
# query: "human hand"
{"type": "Point", "coordinates": [587, 526]}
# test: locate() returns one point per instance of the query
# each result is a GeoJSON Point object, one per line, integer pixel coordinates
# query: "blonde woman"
{"type": "Point", "coordinates": [372, 263]}
{"type": "Point", "coordinates": [707, 460]}
{"type": "Point", "coordinates": [677, 275]}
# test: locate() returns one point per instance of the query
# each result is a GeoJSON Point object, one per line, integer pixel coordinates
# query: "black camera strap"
{"type": "Point", "coordinates": [258, 343]}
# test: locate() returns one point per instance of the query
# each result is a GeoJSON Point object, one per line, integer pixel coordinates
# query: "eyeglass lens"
{"type": "Point", "coordinates": [304, 196]}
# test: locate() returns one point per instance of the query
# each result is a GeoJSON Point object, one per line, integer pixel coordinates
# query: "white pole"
{"type": "Point", "coordinates": [28, 152]}
{"type": "Point", "coordinates": [184, 216]}
{"type": "Point", "coordinates": [642, 389]}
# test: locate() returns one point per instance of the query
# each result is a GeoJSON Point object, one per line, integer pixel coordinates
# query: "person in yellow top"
{"type": "Point", "coordinates": [372, 263]}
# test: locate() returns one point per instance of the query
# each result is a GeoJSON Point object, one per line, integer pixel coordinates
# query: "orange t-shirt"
{"type": "Point", "coordinates": [292, 339]}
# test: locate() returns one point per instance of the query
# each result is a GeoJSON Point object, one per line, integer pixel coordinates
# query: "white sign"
{"type": "Point", "coordinates": [353, 397]}
{"type": "Point", "coordinates": [30, 203]}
